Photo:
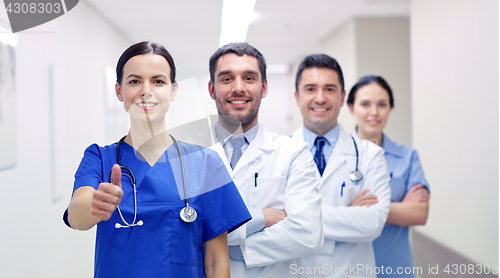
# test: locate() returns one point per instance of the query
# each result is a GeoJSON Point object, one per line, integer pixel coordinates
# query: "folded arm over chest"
{"type": "Point", "coordinates": [300, 232]}
{"type": "Point", "coordinates": [361, 223]}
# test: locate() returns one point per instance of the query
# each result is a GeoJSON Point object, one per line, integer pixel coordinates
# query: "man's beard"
{"type": "Point", "coordinates": [232, 121]}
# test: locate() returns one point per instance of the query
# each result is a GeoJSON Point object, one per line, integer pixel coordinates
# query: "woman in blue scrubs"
{"type": "Point", "coordinates": [370, 102]}
{"type": "Point", "coordinates": [141, 234]}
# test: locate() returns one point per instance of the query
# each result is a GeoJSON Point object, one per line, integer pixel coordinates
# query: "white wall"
{"type": "Point", "coordinates": [455, 120]}
{"type": "Point", "coordinates": [278, 110]}
{"type": "Point", "coordinates": [34, 242]}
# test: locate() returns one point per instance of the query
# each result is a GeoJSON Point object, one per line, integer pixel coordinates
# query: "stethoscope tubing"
{"type": "Point", "coordinates": [356, 175]}
{"type": "Point", "coordinates": [189, 217]}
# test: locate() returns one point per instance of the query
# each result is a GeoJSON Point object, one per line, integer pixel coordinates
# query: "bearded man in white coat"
{"type": "Point", "coordinates": [354, 212]}
{"type": "Point", "coordinates": [275, 175]}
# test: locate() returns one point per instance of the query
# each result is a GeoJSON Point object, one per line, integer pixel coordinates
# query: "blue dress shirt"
{"type": "Point", "coordinates": [332, 136]}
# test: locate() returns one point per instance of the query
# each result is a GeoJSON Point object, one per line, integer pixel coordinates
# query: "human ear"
{"type": "Point", "coordinates": [343, 98]}
{"type": "Point", "coordinates": [118, 91]}
{"type": "Point", "coordinates": [264, 88]}
{"type": "Point", "coordinates": [211, 89]}
{"type": "Point", "coordinates": [173, 93]}
{"type": "Point", "coordinates": [351, 108]}
{"type": "Point", "coordinates": [297, 99]}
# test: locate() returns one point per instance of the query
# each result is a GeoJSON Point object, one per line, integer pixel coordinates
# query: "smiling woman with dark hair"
{"type": "Point", "coordinates": [370, 102]}
{"type": "Point", "coordinates": [162, 208]}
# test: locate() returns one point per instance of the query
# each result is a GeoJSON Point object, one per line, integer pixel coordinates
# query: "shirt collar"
{"type": "Point", "coordinates": [222, 134]}
{"type": "Point", "coordinates": [331, 136]}
{"type": "Point", "coordinates": [391, 147]}
{"type": "Point", "coordinates": [387, 144]}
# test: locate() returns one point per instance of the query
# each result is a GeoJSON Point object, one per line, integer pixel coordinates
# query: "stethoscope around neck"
{"type": "Point", "coordinates": [188, 214]}
{"type": "Point", "coordinates": [356, 175]}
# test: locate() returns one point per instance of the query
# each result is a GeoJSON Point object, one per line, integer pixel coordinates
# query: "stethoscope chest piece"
{"type": "Point", "coordinates": [188, 214]}
{"type": "Point", "coordinates": [356, 176]}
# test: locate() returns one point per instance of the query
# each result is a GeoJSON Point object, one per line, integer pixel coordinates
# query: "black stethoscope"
{"type": "Point", "coordinates": [188, 214]}
{"type": "Point", "coordinates": [356, 175]}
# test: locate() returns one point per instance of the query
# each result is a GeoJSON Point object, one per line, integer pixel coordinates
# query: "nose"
{"type": "Point", "coordinates": [374, 110]}
{"type": "Point", "coordinates": [320, 97]}
{"type": "Point", "coordinates": [238, 85]}
{"type": "Point", "coordinates": [146, 90]}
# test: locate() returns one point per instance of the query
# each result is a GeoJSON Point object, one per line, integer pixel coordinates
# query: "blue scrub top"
{"type": "Point", "coordinates": [165, 246]}
{"type": "Point", "coordinates": [392, 248]}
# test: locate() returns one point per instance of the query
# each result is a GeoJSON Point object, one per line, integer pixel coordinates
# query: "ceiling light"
{"type": "Point", "coordinates": [236, 17]}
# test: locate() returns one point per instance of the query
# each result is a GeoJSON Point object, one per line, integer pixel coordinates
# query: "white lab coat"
{"type": "Point", "coordinates": [349, 231]}
{"type": "Point", "coordinates": [287, 181]}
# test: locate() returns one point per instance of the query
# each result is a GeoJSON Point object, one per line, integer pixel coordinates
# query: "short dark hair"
{"type": "Point", "coordinates": [141, 48]}
{"type": "Point", "coordinates": [367, 79]}
{"type": "Point", "coordinates": [240, 49]}
{"type": "Point", "coordinates": [319, 61]}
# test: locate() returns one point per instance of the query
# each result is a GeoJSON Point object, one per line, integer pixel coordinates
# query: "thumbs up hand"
{"type": "Point", "coordinates": [108, 196]}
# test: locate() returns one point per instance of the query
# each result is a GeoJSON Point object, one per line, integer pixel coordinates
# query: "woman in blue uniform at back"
{"type": "Point", "coordinates": [142, 234]}
{"type": "Point", "coordinates": [370, 102]}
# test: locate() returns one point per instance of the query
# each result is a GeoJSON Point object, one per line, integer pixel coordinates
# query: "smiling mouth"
{"type": "Point", "coordinates": [373, 122]}
{"type": "Point", "coordinates": [238, 101]}
{"type": "Point", "coordinates": [319, 109]}
{"type": "Point", "coordinates": [147, 105]}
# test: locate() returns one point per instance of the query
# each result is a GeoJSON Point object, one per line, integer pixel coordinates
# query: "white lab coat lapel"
{"type": "Point", "coordinates": [253, 151]}
{"type": "Point", "coordinates": [343, 149]}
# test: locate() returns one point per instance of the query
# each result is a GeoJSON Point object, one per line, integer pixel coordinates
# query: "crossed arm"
{"type": "Point", "coordinates": [412, 210]}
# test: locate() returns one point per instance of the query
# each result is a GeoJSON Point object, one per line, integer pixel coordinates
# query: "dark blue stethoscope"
{"type": "Point", "coordinates": [188, 214]}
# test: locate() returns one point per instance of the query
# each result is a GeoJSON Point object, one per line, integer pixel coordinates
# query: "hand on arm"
{"type": "Point", "coordinates": [412, 210]}
{"type": "Point", "coordinates": [273, 216]}
{"type": "Point", "coordinates": [364, 219]}
{"type": "Point", "coordinates": [362, 199]}
{"type": "Point", "coordinates": [89, 206]}
{"type": "Point", "coordinates": [216, 258]}
{"type": "Point", "coordinates": [418, 193]}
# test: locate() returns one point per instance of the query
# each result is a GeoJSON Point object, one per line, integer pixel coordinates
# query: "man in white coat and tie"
{"type": "Point", "coordinates": [354, 178]}
{"type": "Point", "coordinates": [275, 175]}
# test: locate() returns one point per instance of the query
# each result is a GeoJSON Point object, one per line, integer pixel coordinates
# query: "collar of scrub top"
{"type": "Point", "coordinates": [388, 146]}
{"type": "Point", "coordinates": [223, 135]}
{"type": "Point", "coordinates": [332, 136]}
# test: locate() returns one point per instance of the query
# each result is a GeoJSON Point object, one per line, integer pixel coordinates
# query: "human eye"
{"type": "Point", "coordinates": [225, 79]}
{"type": "Point", "coordinates": [133, 81]}
{"type": "Point", "coordinates": [310, 89]}
{"type": "Point", "coordinates": [365, 104]}
{"type": "Point", "coordinates": [250, 78]}
{"type": "Point", "coordinates": [158, 82]}
{"type": "Point", "coordinates": [383, 104]}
